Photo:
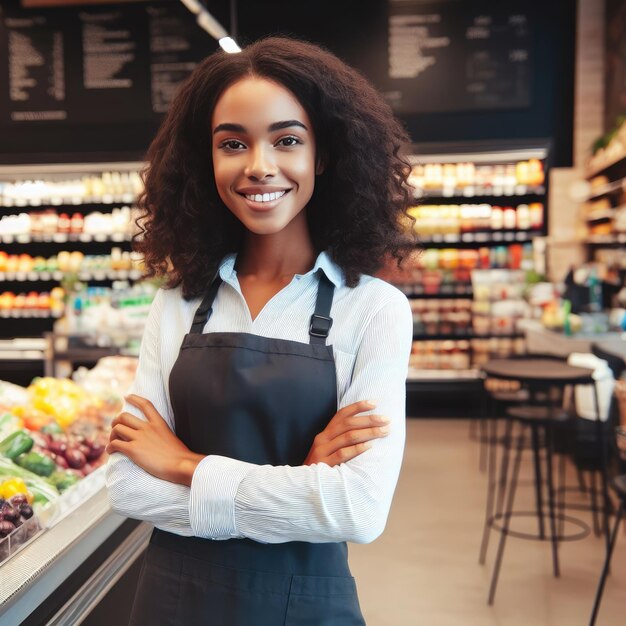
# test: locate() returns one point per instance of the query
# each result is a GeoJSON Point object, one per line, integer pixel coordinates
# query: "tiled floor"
{"type": "Point", "coordinates": [424, 569]}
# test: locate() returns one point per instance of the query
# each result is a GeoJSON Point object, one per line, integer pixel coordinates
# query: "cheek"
{"type": "Point", "coordinates": [304, 170]}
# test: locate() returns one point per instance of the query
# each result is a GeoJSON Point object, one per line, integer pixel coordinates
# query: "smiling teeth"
{"type": "Point", "coordinates": [265, 197]}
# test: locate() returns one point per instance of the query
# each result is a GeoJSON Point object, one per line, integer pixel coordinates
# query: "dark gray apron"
{"type": "Point", "coordinates": [260, 400]}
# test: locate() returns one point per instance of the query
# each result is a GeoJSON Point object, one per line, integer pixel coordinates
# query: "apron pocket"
{"type": "Point", "coordinates": [215, 595]}
{"type": "Point", "coordinates": [323, 601]}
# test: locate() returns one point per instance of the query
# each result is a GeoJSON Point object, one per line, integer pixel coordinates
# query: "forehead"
{"type": "Point", "coordinates": [257, 102]}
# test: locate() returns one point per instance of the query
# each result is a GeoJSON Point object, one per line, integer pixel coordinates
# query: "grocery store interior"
{"type": "Point", "coordinates": [513, 483]}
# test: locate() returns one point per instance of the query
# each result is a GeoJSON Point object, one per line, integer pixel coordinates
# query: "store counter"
{"type": "Point", "coordinates": [540, 340]}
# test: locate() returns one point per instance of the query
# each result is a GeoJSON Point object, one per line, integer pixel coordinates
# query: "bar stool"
{"type": "Point", "coordinates": [619, 486]}
{"type": "Point", "coordinates": [539, 376]}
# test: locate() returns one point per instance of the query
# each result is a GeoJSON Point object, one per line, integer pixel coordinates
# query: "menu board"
{"type": "Point", "coordinates": [452, 56]}
{"type": "Point", "coordinates": [96, 64]}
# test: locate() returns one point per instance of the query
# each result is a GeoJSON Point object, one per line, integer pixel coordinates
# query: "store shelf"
{"type": "Point", "coordinates": [62, 238]}
{"type": "Point", "coordinates": [444, 290]}
{"type": "Point", "coordinates": [606, 240]}
{"type": "Point", "coordinates": [28, 314]}
{"type": "Point", "coordinates": [616, 186]}
{"type": "Point", "coordinates": [600, 215]}
{"type": "Point", "coordinates": [420, 375]}
{"type": "Point", "coordinates": [22, 349]}
{"type": "Point", "coordinates": [482, 238]}
{"type": "Point", "coordinates": [83, 275]}
{"type": "Point", "coordinates": [606, 168]}
{"type": "Point", "coordinates": [440, 295]}
{"type": "Point", "coordinates": [463, 336]}
{"type": "Point", "coordinates": [486, 193]}
{"type": "Point", "coordinates": [56, 201]}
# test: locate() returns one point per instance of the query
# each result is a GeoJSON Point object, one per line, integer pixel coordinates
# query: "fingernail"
{"type": "Point", "coordinates": [384, 430]}
{"type": "Point", "coordinates": [382, 419]}
{"type": "Point", "coordinates": [370, 404]}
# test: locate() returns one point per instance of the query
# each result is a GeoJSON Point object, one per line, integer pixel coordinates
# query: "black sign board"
{"type": "Point", "coordinates": [105, 64]}
{"type": "Point", "coordinates": [453, 56]}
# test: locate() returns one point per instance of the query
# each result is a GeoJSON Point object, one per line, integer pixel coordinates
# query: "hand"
{"type": "Point", "coordinates": [152, 445]}
{"type": "Point", "coordinates": [347, 435]}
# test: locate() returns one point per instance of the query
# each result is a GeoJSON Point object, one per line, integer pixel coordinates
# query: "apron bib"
{"type": "Point", "coordinates": [260, 400]}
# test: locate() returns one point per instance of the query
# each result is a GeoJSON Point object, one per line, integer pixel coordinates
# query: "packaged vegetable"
{"type": "Point", "coordinates": [41, 489]}
{"type": "Point", "coordinates": [14, 445]}
{"type": "Point", "coordinates": [37, 463]}
{"type": "Point", "coordinates": [62, 480]}
{"type": "Point", "coordinates": [13, 487]}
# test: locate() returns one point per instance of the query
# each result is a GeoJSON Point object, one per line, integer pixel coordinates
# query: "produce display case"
{"type": "Point", "coordinates": [70, 551]}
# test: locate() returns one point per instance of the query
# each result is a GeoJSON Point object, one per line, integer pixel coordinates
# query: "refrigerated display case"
{"type": "Point", "coordinates": [69, 557]}
{"type": "Point", "coordinates": [477, 207]}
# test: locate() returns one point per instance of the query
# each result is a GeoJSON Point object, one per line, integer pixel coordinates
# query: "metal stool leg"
{"type": "Point", "coordinates": [506, 518]}
{"type": "Point", "coordinates": [595, 509]}
{"type": "Point", "coordinates": [554, 538]}
{"type": "Point", "coordinates": [562, 492]}
{"type": "Point", "coordinates": [485, 440]}
{"type": "Point", "coordinates": [504, 469]}
{"type": "Point", "coordinates": [604, 477]}
{"type": "Point", "coordinates": [605, 569]}
{"type": "Point", "coordinates": [538, 480]}
{"type": "Point", "coordinates": [493, 484]}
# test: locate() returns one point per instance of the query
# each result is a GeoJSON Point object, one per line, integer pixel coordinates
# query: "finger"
{"type": "Point", "coordinates": [353, 437]}
{"type": "Point", "coordinates": [356, 422]}
{"type": "Point", "coordinates": [344, 455]}
{"type": "Point", "coordinates": [122, 432]}
{"type": "Point", "coordinates": [128, 420]}
{"type": "Point", "coordinates": [144, 405]}
{"type": "Point", "coordinates": [118, 446]}
{"type": "Point", "coordinates": [355, 407]}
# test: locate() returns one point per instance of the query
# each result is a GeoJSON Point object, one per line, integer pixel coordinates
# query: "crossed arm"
{"type": "Point", "coordinates": [342, 492]}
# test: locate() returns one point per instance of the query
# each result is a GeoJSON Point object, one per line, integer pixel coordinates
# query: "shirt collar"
{"type": "Point", "coordinates": [324, 262]}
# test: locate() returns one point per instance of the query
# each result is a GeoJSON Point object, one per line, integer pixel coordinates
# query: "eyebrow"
{"type": "Point", "coordinates": [238, 128]}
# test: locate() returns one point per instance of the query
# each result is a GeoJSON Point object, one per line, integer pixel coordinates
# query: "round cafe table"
{"type": "Point", "coordinates": [538, 375]}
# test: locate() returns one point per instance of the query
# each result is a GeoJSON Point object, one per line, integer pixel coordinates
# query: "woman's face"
{"type": "Point", "coordinates": [263, 154]}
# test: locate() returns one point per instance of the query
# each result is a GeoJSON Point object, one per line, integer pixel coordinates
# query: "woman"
{"type": "Point", "coordinates": [274, 189]}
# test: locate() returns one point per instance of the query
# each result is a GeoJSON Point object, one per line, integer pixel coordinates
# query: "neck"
{"type": "Point", "coordinates": [277, 256]}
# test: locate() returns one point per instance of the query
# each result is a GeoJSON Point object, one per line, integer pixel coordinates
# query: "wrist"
{"type": "Point", "coordinates": [186, 467]}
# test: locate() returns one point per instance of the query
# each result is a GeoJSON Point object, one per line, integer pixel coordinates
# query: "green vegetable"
{"type": "Point", "coordinates": [36, 463]}
{"type": "Point", "coordinates": [52, 428]}
{"type": "Point", "coordinates": [14, 445]}
{"type": "Point", "coordinates": [39, 487]}
{"type": "Point", "coordinates": [62, 480]}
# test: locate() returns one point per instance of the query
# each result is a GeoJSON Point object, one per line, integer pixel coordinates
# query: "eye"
{"type": "Point", "coordinates": [231, 145]}
{"type": "Point", "coordinates": [288, 142]}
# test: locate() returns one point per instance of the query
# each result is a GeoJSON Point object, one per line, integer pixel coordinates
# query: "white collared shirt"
{"type": "Point", "coordinates": [371, 338]}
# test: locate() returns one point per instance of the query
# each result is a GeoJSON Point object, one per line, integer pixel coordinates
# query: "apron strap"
{"type": "Point", "coordinates": [321, 322]}
{"type": "Point", "coordinates": [203, 312]}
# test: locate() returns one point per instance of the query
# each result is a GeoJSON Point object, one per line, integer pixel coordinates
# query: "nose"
{"type": "Point", "coordinates": [260, 164]}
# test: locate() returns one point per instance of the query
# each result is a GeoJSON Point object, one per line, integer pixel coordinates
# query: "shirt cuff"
{"type": "Point", "coordinates": [214, 486]}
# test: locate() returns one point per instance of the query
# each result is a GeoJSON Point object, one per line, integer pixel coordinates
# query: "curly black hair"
{"type": "Point", "coordinates": [358, 208]}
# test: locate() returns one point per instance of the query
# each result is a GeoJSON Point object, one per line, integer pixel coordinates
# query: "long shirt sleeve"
{"type": "Point", "coordinates": [132, 491]}
{"type": "Point", "coordinates": [229, 498]}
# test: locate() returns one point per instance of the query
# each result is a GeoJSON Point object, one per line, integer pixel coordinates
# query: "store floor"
{"type": "Point", "coordinates": [424, 569]}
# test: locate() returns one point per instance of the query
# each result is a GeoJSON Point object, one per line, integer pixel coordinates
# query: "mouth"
{"type": "Point", "coordinates": [264, 197]}
{"type": "Point", "coordinates": [264, 201]}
